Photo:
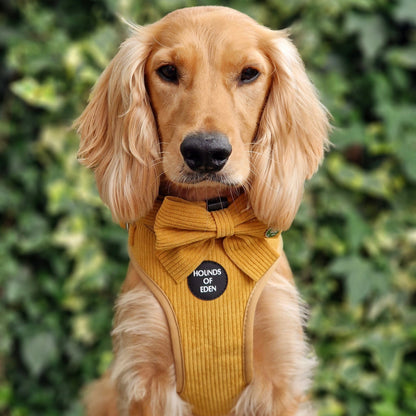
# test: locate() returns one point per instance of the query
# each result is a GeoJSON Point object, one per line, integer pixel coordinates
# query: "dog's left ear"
{"type": "Point", "coordinates": [291, 139]}
{"type": "Point", "coordinates": [118, 132]}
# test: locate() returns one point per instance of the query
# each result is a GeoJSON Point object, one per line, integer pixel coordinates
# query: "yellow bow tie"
{"type": "Point", "coordinates": [185, 232]}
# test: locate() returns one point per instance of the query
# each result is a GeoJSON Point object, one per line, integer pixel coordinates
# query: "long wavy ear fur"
{"type": "Point", "coordinates": [291, 139]}
{"type": "Point", "coordinates": [118, 133]}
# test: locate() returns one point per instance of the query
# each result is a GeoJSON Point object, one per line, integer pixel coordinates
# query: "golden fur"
{"type": "Point", "coordinates": [131, 132]}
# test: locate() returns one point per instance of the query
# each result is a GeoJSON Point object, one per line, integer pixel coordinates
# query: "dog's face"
{"type": "Point", "coordinates": [207, 88]}
{"type": "Point", "coordinates": [205, 102]}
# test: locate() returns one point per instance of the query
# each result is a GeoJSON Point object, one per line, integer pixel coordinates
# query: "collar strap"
{"type": "Point", "coordinates": [216, 204]}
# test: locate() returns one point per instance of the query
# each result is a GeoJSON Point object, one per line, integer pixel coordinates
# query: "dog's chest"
{"type": "Point", "coordinates": [207, 314]}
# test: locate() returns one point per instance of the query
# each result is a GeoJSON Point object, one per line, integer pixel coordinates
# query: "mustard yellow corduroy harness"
{"type": "Point", "coordinates": [207, 270]}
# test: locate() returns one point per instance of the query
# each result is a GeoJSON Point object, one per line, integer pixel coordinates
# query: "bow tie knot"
{"type": "Point", "coordinates": [224, 223]}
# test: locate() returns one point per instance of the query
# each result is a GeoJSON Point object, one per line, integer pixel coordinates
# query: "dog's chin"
{"type": "Point", "coordinates": [197, 187]}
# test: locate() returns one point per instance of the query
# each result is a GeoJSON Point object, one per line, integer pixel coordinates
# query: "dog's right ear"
{"type": "Point", "coordinates": [118, 133]}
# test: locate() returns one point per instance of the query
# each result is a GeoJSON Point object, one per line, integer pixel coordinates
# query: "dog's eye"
{"type": "Point", "coordinates": [249, 75]}
{"type": "Point", "coordinates": [168, 73]}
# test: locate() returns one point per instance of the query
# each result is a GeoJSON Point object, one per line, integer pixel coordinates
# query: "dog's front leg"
{"type": "Point", "coordinates": [143, 368]}
{"type": "Point", "coordinates": [282, 362]}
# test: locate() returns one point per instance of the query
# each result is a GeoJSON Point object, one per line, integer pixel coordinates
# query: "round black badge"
{"type": "Point", "coordinates": [208, 281]}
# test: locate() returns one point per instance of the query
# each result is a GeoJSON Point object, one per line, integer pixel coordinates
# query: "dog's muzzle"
{"type": "Point", "coordinates": [206, 152]}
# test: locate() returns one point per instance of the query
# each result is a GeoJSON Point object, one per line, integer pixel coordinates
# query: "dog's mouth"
{"type": "Point", "coordinates": [193, 178]}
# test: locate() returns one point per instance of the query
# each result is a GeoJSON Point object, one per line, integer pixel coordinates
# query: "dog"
{"type": "Point", "coordinates": [205, 105]}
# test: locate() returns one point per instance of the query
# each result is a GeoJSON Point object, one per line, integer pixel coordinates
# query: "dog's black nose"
{"type": "Point", "coordinates": [206, 152]}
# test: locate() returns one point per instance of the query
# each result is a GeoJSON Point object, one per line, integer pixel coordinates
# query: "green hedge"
{"type": "Point", "coordinates": [352, 247]}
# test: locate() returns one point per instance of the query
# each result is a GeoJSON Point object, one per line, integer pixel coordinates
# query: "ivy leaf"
{"type": "Point", "coordinates": [406, 11]}
{"type": "Point", "coordinates": [388, 347]}
{"type": "Point", "coordinates": [400, 124]}
{"type": "Point", "coordinates": [407, 153]}
{"type": "Point", "coordinates": [357, 229]}
{"type": "Point", "coordinates": [371, 33]}
{"type": "Point", "coordinates": [378, 182]}
{"type": "Point", "coordinates": [403, 56]}
{"type": "Point", "coordinates": [361, 277]}
{"type": "Point", "coordinates": [39, 351]}
{"type": "Point", "coordinates": [39, 95]}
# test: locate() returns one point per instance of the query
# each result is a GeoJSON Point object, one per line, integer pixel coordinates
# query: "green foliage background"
{"type": "Point", "coordinates": [352, 246]}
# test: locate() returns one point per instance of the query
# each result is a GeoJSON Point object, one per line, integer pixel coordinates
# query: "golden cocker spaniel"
{"type": "Point", "coordinates": [204, 103]}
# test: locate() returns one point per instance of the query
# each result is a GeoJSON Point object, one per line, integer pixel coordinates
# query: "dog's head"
{"type": "Point", "coordinates": [205, 102]}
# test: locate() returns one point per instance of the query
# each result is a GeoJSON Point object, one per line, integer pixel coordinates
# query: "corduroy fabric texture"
{"type": "Point", "coordinates": [168, 245]}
